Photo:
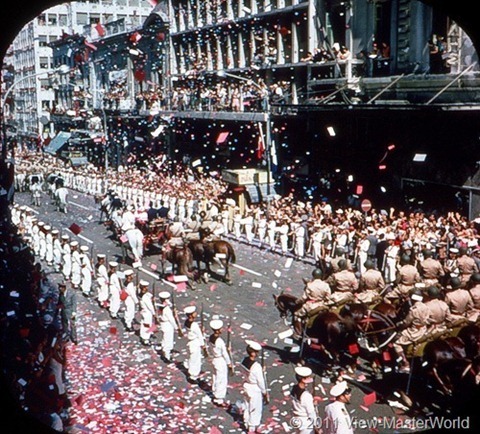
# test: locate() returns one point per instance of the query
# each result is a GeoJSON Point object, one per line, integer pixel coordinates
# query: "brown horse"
{"type": "Point", "coordinates": [333, 335]}
{"type": "Point", "coordinates": [181, 258]}
{"type": "Point", "coordinates": [210, 251]}
{"type": "Point", "coordinates": [444, 358]}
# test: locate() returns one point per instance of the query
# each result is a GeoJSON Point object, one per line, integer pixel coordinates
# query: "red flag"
{"type": "Point", "coordinates": [135, 37]}
{"type": "Point", "coordinates": [100, 30]}
{"type": "Point", "coordinates": [90, 45]}
{"type": "Point", "coordinates": [260, 147]}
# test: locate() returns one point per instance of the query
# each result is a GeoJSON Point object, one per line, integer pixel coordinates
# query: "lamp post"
{"type": "Point", "coordinates": [268, 132]}
{"type": "Point", "coordinates": [62, 69]}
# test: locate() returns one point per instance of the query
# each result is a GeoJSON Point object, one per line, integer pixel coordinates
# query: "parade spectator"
{"type": "Point", "coordinates": [68, 306]}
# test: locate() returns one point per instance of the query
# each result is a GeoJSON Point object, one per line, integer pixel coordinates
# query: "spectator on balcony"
{"type": "Point", "coordinates": [321, 55]}
{"type": "Point", "coordinates": [307, 58]}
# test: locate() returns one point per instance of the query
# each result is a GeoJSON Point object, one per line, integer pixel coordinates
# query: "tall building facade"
{"type": "Point", "coordinates": [32, 54]}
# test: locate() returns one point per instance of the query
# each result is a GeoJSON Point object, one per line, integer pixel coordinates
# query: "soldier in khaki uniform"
{"type": "Point", "coordinates": [371, 283]}
{"type": "Point", "coordinates": [474, 289]}
{"type": "Point", "coordinates": [416, 323]}
{"type": "Point", "coordinates": [316, 297]}
{"type": "Point", "coordinates": [440, 314]}
{"type": "Point", "coordinates": [407, 277]}
{"type": "Point", "coordinates": [466, 266]}
{"type": "Point", "coordinates": [460, 301]}
{"type": "Point", "coordinates": [344, 283]}
{"type": "Point", "coordinates": [431, 270]}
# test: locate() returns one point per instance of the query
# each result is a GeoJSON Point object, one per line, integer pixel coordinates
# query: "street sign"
{"type": "Point", "coordinates": [366, 205]}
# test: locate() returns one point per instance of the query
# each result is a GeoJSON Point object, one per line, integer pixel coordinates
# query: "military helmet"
{"type": "Point", "coordinates": [455, 283]}
{"type": "Point", "coordinates": [433, 292]}
{"type": "Point", "coordinates": [317, 273]}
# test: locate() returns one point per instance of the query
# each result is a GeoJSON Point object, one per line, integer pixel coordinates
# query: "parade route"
{"type": "Point", "coordinates": [117, 385]}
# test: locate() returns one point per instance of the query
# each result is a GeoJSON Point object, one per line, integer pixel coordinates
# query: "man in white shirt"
{"type": "Point", "coordinates": [304, 419]}
{"type": "Point", "coordinates": [337, 419]}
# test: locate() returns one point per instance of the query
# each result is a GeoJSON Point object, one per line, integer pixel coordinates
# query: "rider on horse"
{"type": "Point", "coordinates": [416, 329]}
{"type": "Point", "coordinates": [343, 283]}
{"type": "Point", "coordinates": [316, 297]}
{"type": "Point", "coordinates": [371, 283]}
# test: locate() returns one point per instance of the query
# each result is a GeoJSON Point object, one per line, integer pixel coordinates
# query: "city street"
{"type": "Point", "coordinates": [115, 384]}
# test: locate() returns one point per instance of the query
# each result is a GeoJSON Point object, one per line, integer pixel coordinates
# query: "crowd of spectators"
{"type": "Point", "coordinates": [31, 344]}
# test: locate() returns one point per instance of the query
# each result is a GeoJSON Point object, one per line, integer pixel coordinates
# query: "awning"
{"type": "Point", "coordinates": [56, 145]}
{"type": "Point", "coordinates": [78, 161]}
{"type": "Point", "coordinates": [258, 192]}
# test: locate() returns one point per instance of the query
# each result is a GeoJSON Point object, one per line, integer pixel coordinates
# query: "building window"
{"type": "Point", "coordinates": [42, 41]}
{"type": "Point", "coordinates": [45, 84]}
{"type": "Point", "coordinates": [41, 20]}
{"type": "Point", "coordinates": [43, 62]}
{"type": "Point", "coordinates": [94, 18]}
{"type": "Point", "coordinates": [62, 20]}
{"type": "Point", "coordinates": [52, 20]}
{"type": "Point", "coordinates": [82, 19]}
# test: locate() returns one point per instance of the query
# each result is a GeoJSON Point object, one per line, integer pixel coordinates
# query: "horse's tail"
{"type": "Point", "coordinates": [231, 252]}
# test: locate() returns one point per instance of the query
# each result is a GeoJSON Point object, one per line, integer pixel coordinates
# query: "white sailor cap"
{"type": "Point", "coordinates": [48, 227]}
{"type": "Point", "coordinates": [303, 371]}
{"type": "Point", "coordinates": [453, 250]}
{"type": "Point", "coordinates": [216, 324]}
{"type": "Point", "coordinates": [55, 232]}
{"type": "Point", "coordinates": [101, 256]}
{"type": "Point", "coordinates": [74, 243]}
{"type": "Point", "coordinates": [143, 282]}
{"type": "Point", "coordinates": [65, 237]}
{"type": "Point", "coordinates": [253, 345]}
{"type": "Point", "coordinates": [339, 389]}
{"type": "Point", "coordinates": [128, 272]}
{"type": "Point", "coordinates": [189, 310]}
{"type": "Point", "coordinates": [164, 295]}
{"type": "Point", "coordinates": [84, 248]}
{"type": "Point", "coordinates": [113, 264]}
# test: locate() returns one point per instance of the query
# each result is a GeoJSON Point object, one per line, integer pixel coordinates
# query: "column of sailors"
{"type": "Point", "coordinates": [114, 287]}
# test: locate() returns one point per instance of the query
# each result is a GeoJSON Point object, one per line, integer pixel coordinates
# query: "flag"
{"type": "Point", "coordinates": [100, 30]}
{"type": "Point", "coordinates": [135, 37]}
{"type": "Point", "coordinates": [260, 147]}
{"type": "Point", "coordinates": [90, 45]}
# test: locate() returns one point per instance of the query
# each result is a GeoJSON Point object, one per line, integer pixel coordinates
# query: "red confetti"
{"type": "Point", "coordinates": [181, 286]}
{"type": "Point", "coordinates": [370, 399]}
{"type": "Point", "coordinates": [353, 349]}
{"type": "Point", "coordinates": [107, 362]}
{"type": "Point", "coordinates": [113, 330]}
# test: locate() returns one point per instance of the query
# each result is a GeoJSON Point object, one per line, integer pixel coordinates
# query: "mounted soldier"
{"type": "Point", "coordinates": [315, 298]}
